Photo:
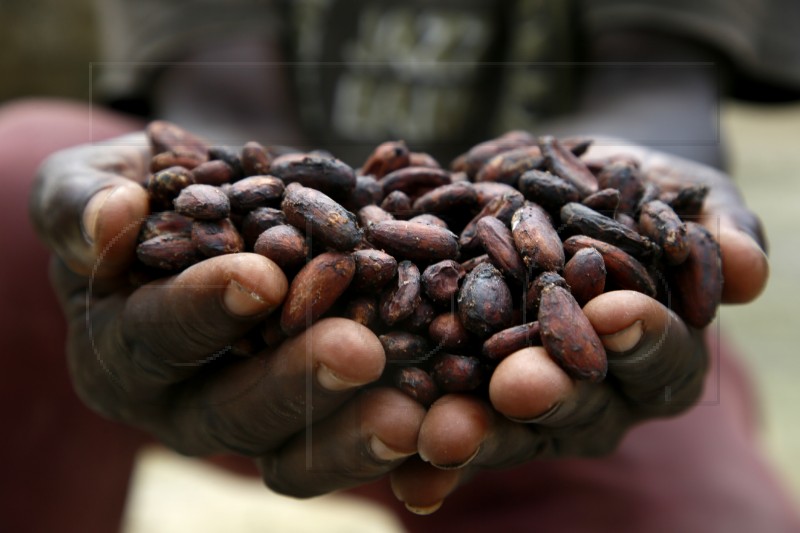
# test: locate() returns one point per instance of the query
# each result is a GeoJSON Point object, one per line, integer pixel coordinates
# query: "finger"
{"type": "Point", "coordinates": [88, 204]}
{"type": "Point", "coordinates": [535, 390]}
{"type": "Point", "coordinates": [745, 267]}
{"type": "Point", "coordinates": [252, 406]}
{"type": "Point", "coordinates": [369, 437]}
{"type": "Point", "coordinates": [423, 487]}
{"type": "Point", "coordinates": [657, 361]}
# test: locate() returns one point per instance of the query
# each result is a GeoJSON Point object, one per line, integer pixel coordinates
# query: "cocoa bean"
{"type": "Point", "coordinates": [229, 156]}
{"type": "Point", "coordinates": [585, 273]}
{"type": "Point", "coordinates": [660, 223]}
{"type": "Point", "coordinates": [502, 207]}
{"type": "Point", "coordinates": [169, 251]}
{"type": "Point", "coordinates": [371, 214]}
{"type": "Point", "coordinates": [487, 191]}
{"type": "Point", "coordinates": [457, 373]}
{"type": "Point", "coordinates": [508, 166]}
{"type": "Point", "coordinates": [621, 268]}
{"type": "Point", "coordinates": [417, 384]}
{"type": "Point", "coordinates": [325, 174]}
{"type": "Point", "coordinates": [420, 320]}
{"type": "Point", "coordinates": [604, 201]}
{"type": "Point", "coordinates": [534, 291]}
{"type": "Point", "coordinates": [398, 204]}
{"type": "Point", "coordinates": [202, 202]}
{"type": "Point", "coordinates": [255, 161]}
{"type": "Point", "coordinates": [536, 239]}
{"type": "Point", "coordinates": [568, 336]}
{"type": "Point", "coordinates": [321, 217]}
{"type": "Point", "coordinates": [374, 269]}
{"type": "Point", "coordinates": [459, 195]}
{"type": "Point", "coordinates": [254, 192]}
{"type": "Point", "coordinates": [688, 203]}
{"type": "Point", "coordinates": [216, 237]}
{"type": "Point", "coordinates": [364, 310]}
{"type": "Point", "coordinates": [427, 218]}
{"type": "Point", "coordinates": [165, 137]}
{"type": "Point", "coordinates": [449, 334]}
{"type": "Point", "coordinates": [386, 157]}
{"type": "Point", "coordinates": [623, 176]}
{"type": "Point", "coordinates": [259, 220]}
{"type": "Point", "coordinates": [484, 301]}
{"type": "Point", "coordinates": [440, 281]}
{"type": "Point", "coordinates": [547, 190]}
{"type": "Point", "coordinates": [214, 172]}
{"type": "Point", "coordinates": [413, 240]}
{"type": "Point", "coordinates": [404, 347]}
{"type": "Point", "coordinates": [697, 281]}
{"type": "Point", "coordinates": [472, 161]}
{"type": "Point", "coordinates": [504, 343]}
{"type": "Point", "coordinates": [165, 185]}
{"type": "Point", "coordinates": [470, 264]}
{"type": "Point", "coordinates": [499, 244]}
{"type": "Point", "coordinates": [165, 222]}
{"type": "Point", "coordinates": [411, 180]}
{"type": "Point", "coordinates": [564, 164]}
{"type": "Point", "coordinates": [367, 191]}
{"type": "Point", "coordinates": [285, 245]}
{"type": "Point", "coordinates": [399, 301]}
{"type": "Point", "coordinates": [315, 289]}
{"type": "Point", "coordinates": [421, 159]}
{"type": "Point", "coordinates": [583, 220]}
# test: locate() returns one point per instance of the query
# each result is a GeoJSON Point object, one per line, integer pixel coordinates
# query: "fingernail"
{"type": "Point", "coordinates": [625, 340]}
{"type": "Point", "coordinates": [330, 381]}
{"type": "Point", "coordinates": [540, 418]}
{"type": "Point", "coordinates": [453, 466]}
{"type": "Point", "coordinates": [241, 301]}
{"type": "Point", "coordinates": [383, 452]}
{"type": "Point", "coordinates": [91, 212]}
{"type": "Point", "coordinates": [430, 509]}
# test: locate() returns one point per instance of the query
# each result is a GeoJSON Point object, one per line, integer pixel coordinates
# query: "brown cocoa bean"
{"type": "Point", "coordinates": [604, 201]}
{"type": "Point", "coordinates": [459, 195]}
{"type": "Point", "coordinates": [165, 222]}
{"type": "Point", "coordinates": [216, 237]}
{"type": "Point", "coordinates": [417, 384]}
{"type": "Point", "coordinates": [315, 289]}
{"type": "Point", "coordinates": [441, 281]}
{"type": "Point", "coordinates": [169, 251]}
{"type": "Point", "coordinates": [472, 161]}
{"type": "Point", "coordinates": [254, 192]}
{"type": "Point", "coordinates": [285, 245]}
{"type": "Point", "coordinates": [536, 239]}
{"type": "Point", "coordinates": [499, 244]}
{"type": "Point", "coordinates": [568, 336]}
{"type": "Point", "coordinates": [411, 180]}
{"type": "Point", "coordinates": [621, 268]}
{"type": "Point", "coordinates": [564, 164]}
{"type": "Point", "coordinates": [484, 301]}
{"type": "Point", "coordinates": [165, 185]}
{"type": "Point", "coordinates": [374, 269]}
{"type": "Point", "coordinates": [399, 301]}
{"type": "Point", "coordinates": [583, 220]}
{"type": "Point", "coordinates": [688, 202]}
{"type": "Point", "coordinates": [202, 202]}
{"type": "Point", "coordinates": [504, 343]}
{"type": "Point", "coordinates": [547, 190]}
{"type": "Point", "coordinates": [174, 158]}
{"type": "Point", "coordinates": [457, 373]}
{"type": "Point", "coordinates": [413, 240]}
{"type": "Point", "coordinates": [449, 334]}
{"type": "Point", "coordinates": [533, 292]}
{"type": "Point", "coordinates": [501, 207]}
{"type": "Point", "coordinates": [255, 160]}
{"type": "Point", "coordinates": [165, 137]}
{"type": "Point", "coordinates": [660, 223]}
{"type": "Point", "coordinates": [320, 217]}
{"type": "Point", "coordinates": [386, 157]}
{"type": "Point", "coordinates": [508, 166]}
{"type": "Point", "coordinates": [366, 192]}
{"type": "Point", "coordinates": [427, 218]}
{"type": "Point", "coordinates": [421, 159]}
{"type": "Point", "coordinates": [398, 204]}
{"type": "Point", "coordinates": [259, 220]}
{"type": "Point", "coordinates": [362, 309]}
{"type": "Point", "coordinates": [585, 273]}
{"type": "Point", "coordinates": [487, 191]}
{"type": "Point", "coordinates": [214, 172]}
{"type": "Point", "coordinates": [372, 214]}
{"type": "Point", "coordinates": [231, 157]}
{"type": "Point", "coordinates": [698, 280]}
{"type": "Point", "coordinates": [328, 175]}
{"type": "Point", "coordinates": [404, 347]}
{"type": "Point", "coordinates": [623, 176]}
{"type": "Point", "coordinates": [470, 264]}
{"type": "Point", "coordinates": [421, 318]}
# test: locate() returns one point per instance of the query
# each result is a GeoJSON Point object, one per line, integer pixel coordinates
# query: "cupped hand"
{"type": "Point", "coordinates": [156, 356]}
{"type": "Point", "coordinates": [656, 364]}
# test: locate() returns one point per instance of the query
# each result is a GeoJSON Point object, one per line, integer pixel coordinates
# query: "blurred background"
{"type": "Point", "coordinates": [46, 48]}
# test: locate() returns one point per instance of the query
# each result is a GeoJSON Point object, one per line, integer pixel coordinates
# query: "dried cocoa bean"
{"type": "Point", "coordinates": [604, 201]}
{"type": "Point", "coordinates": [564, 164]}
{"type": "Point", "coordinates": [362, 309]}
{"type": "Point", "coordinates": [484, 301]}
{"type": "Point", "coordinates": [660, 223]}
{"type": "Point", "coordinates": [585, 273]}
{"type": "Point", "coordinates": [216, 237]}
{"type": "Point", "coordinates": [501, 207]}
{"type": "Point", "coordinates": [321, 217]}
{"type": "Point", "coordinates": [472, 161]}
{"type": "Point", "coordinates": [328, 175]}
{"type": "Point", "coordinates": [698, 280]}
{"type": "Point", "coordinates": [255, 160]}
{"type": "Point", "coordinates": [398, 204]}
{"type": "Point", "coordinates": [315, 289]}
{"type": "Point", "coordinates": [386, 157]}
{"type": "Point", "coordinates": [536, 239]}
{"type": "Point", "coordinates": [441, 281]}
{"type": "Point", "coordinates": [623, 176]}
{"type": "Point", "coordinates": [417, 384]}
{"type": "Point", "coordinates": [165, 222]}
{"type": "Point", "coordinates": [547, 190]}
{"type": "Point", "coordinates": [411, 180]}
{"type": "Point", "coordinates": [427, 218]}
{"type": "Point", "coordinates": [165, 185]}
{"type": "Point", "coordinates": [458, 195]}
{"type": "Point", "coordinates": [508, 166]}
{"type": "Point", "coordinates": [404, 347]}
{"type": "Point", "coordinates": [499, 244]}
{"type": "Point", "coordinates": [372, 214]}
{"type": "Point", "coordinates": [374, 269]}
{"type": "Point", "coordinates": [399, 301]}
{"type": "Point", "coordinates": [169, 251]}
{"type": "Point", "coordinates": [449, 334]}
{"type": "Point", "coordinates": [203, 202]}
{"type": "Point", "coordinates": [688, 202]}
{"type": "Point", "coordinates": [212, 173]}
{"type": "Point", "coordinates": [504, 343]}
{"type": "Point", "coordinates": [421, 159]}
{"type": "Point", "coordinates": [621, 268]}
{"type": "Point", "coordinates": [254, 192]}
{"type": "Point", "coordinates": [413, 240]}
{"type": "Point", "coordinates": [285, 245]}
{"type": "Point", "coordinates": [457, 373]}
{"type": "Point", "coordinates": [259, 220]}
{"type": "Point", "coordinates": [568, 336]}
{"type": "Point", "coordinates": [586, 221]}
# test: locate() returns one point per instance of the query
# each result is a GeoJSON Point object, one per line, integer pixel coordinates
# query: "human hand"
{"type": "Point", "coordinates": [154, 357]}
{"type": "Point", "coordinates": [656, 364]}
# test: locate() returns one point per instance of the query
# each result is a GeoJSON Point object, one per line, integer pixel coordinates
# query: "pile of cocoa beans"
{"type": "Point", "coordinates": [454, 269]}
